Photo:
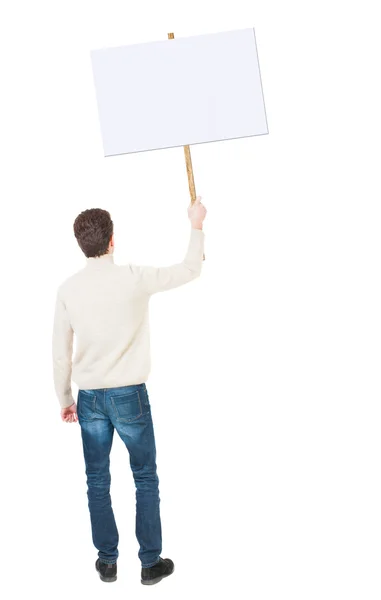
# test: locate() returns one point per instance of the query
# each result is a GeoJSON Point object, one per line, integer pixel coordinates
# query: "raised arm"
{"type": "Point", "coordinates": [159, 279]}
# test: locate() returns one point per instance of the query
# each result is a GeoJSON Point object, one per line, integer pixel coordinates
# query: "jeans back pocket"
{"type": "Point", "coordinates": [127, 406]}
{"type": "Point", "coordinates": [86, 405]}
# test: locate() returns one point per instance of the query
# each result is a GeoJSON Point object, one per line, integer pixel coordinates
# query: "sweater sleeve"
{"type": "Point", "coordinates": [62, 348]}
{"type": "Point", "coordinates": [159, 279]}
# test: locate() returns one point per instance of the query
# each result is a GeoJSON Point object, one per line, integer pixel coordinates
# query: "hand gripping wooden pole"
{"type": "Point", "coordinates": [188, 161]}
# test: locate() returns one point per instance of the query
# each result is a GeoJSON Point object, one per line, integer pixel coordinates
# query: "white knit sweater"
{"type": "Point", "coordinates": [106, 307]}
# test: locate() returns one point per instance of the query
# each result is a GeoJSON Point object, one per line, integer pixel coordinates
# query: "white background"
{"type": "Point", "coordinates": [265, 386]}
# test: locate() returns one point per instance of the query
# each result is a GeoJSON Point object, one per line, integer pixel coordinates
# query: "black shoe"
{"type": "Point", "coordinates": [106, 571]}
{"type": "Point", "coordinates": [161, 569]}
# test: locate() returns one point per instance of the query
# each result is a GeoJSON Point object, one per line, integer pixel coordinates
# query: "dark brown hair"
{"type": "Point", "coordinates": [93, 229]}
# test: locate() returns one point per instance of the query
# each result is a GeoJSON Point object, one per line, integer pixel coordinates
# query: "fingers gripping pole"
{"type": "Point", "coordinates": [188, 160]}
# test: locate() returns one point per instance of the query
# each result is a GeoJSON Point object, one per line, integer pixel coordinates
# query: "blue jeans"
{"type": "Point", "coordinates": [127, 409]}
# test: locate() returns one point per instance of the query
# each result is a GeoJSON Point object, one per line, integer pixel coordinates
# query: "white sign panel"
{"type": "Point", "coordinates": [189, 90]}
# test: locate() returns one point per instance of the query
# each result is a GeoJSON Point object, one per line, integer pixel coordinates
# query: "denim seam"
{"type": "Point", "coordinates": [151, 564]}
{"type": "Point", "coordinates": [107, 562]}
{"type": "Point", "coordinates": [140, 404]}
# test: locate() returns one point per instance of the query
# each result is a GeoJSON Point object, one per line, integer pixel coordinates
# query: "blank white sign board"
{"type": "Point", "coordinates": [189, 90]}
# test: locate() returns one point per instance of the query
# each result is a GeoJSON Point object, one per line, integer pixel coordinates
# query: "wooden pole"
{"type": "Point", "coordinates": [188, 160]}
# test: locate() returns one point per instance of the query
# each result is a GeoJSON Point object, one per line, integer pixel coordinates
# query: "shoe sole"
{"type": "Point", "coordinates": [156, 579]}
{"type": "Point", "coordinates": [108, 579]}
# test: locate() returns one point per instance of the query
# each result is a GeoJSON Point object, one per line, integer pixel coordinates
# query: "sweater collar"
{"type": "Point", "coordinates": [95, 261]}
